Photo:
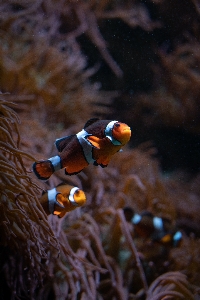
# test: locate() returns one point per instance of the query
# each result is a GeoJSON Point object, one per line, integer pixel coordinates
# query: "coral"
{"type": "Point", "coordinates": [139, 184]}
{"type": "Point", "coordinates": [171, 285]}
{"type": "Point", "coordinates": [53, 78]}
{"type": "Point", "coordinates": [23, 225]}
{"type": "Point", "coordinates": [189, 250]}
{"type": "Point", "coordinates": [45, 64]}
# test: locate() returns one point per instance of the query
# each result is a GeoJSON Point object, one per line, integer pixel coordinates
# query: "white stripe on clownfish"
{"type": "Point", "coordinates": [136, 219]}
{"type": "Point", "coordinates": [177, 237]}
{"type": "Point", "coordinates": [158, 223]}
{"type": "Point", "coordinates": [86, 145]}
{"type": "Point", "coordinates": [109, 135]}
{"type": "Point", "coordinates": [55, 160]}
{"type": "Point", "coordinates": [71, 196]}
{"type": "Point", "coordinates": [52, 199]}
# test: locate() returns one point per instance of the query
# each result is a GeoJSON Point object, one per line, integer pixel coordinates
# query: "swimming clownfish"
{"type": "Point", "coordinates": [62, 199]}
{"type": "Point", "coordinates": [158, 229]}
{"type": "Point", "coordinates": [96, 144]}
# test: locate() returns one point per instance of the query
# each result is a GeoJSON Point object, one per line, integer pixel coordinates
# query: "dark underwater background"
{"type": "Point", "coordinates": [63, 62]}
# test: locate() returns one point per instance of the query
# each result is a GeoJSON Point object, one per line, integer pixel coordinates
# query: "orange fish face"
{"type": "Point", "coordinates": [71, 196]}
{"type": "Point", "coordinates": [79, 197]}
{"type": "Point", "coordinates": [121, 132]}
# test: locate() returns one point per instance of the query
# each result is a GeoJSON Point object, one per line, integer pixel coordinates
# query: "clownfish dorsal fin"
{"type": "Point", "coordinates": [90, 122]}
{"type": "Point", "coordinates": [62, 142]}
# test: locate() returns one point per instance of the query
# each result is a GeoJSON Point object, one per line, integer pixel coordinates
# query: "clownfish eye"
{"type": "Point", "coordinates": [117, 124]}
{"type": "Point", "coordinates": [76, 192]}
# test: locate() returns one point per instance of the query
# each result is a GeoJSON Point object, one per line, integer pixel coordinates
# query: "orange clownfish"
{"type": "Point", "coordinates": [96, 144]}
{"type": "Point", "coordinates": [62, 199]}
{"type": "Point", "coordinates": [158, 229]}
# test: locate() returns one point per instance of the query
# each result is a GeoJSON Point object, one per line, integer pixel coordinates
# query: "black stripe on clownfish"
{"type": "Point", "coordinates": [96, 143]}
{"type": "Point", "coordinates": [62, 199]}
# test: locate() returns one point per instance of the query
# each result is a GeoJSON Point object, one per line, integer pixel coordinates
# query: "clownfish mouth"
{"type": "Point", "coordinates": [128, 130]}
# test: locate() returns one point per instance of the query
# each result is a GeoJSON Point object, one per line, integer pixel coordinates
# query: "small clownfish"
{"type": "Point", "coordinates": [96, 143]}
{"type": "Point", "coordinates": [62, 199]}
{"type": "Point", "coordinates": [158, 229]}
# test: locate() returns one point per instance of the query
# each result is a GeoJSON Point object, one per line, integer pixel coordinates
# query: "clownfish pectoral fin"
{"type": "Point", "coordinates": [62, 142]}
{"type": "Point", "coordinates": [94, 141]}
{"type": "Point", "coordinates": [103, 166]}
{"type": "Point", "coordinates": [103, 161]}
{"type": "Point", "coordinates": [62, 214]}
{"type": "Point", "coordinates": [90, 122]}
{"type": "Point", "coordinates": [59, 204]}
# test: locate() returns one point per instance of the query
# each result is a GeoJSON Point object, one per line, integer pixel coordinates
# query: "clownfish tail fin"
{"type": "Point", "coordinates": [44, 169]}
